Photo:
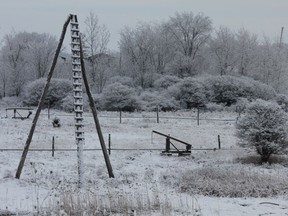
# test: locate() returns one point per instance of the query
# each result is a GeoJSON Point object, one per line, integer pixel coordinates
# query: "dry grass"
{"type": "Point", "coordinates": [117, 204]}
{"type": "Point", "coordinates": [231, 181]}
{"type": "Point", "coordinates": [255, 159]}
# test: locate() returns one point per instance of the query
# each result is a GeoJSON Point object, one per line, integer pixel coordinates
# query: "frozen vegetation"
{"type": "Point", "coordinates": [230, 181]}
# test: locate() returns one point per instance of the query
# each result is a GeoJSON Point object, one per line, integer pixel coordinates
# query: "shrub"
{"type": "Point", "coordinates": [10, 101]}
{"type": "Point", "coordinates": [58, 89]}
{"type": "Point", "coordinates": [165, 81]}
{"type": "Point", "coordinates": [282, 100]}
{"type": "Point", "coordinates": [189, 92]}
{"type": "Point", "coordinates": [150, 100]}
{"type": "Point", "coordinates": [128, 81]}
{"type": "Point", "coordinates": [228, 89]}
{"type": "Point", "coordinates": [119, 97]}
{"type": "Point", "coordinates": [264, 127]}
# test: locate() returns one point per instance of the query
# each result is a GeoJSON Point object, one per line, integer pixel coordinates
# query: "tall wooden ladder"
{"type": "Point", "coordinates": [78, 94]}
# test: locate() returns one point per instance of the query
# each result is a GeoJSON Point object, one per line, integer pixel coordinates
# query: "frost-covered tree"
{"type": "Point", "coordinates": [96, 38]}
{"type": "Point", "coordinates": [189, 33]}
{"type": "Point", "coordinates": [14, 63]}
{"type": "Point", "coordinates": [223, 48]}
{"type": "Point", "coordinates": [41, 48]}
{"type": "Point", "coordinates": [246, 51]}
{"type": "Point", "coordinates": [136, 47]}
{"type": "Point", "coordinates": [24, 57]}
{"type": "Point", "coordinates": [264, 127]}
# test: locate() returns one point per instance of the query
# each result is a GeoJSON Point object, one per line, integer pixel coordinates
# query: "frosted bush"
{"type": "Point", "coordinates": [165, 81]}
{"type": "Point", "coordinates": [150, 100]}
{"type": "Point", "coordinates": [58, 89]}
{"type": "Point", "coordinates": [128, 81]}
{"type": "Point", "coordinates": [189, 92]}
{"type": "Point", "coordinates": [228, 89]}
{"type": "Point", "coordinates": [282, 100]}
{"type": "Point", "coordinates": [119, 97]}
{"type": "Point", "coordinates": [264, 127]}
{"type": "Point", "coordinates": [10, 101]}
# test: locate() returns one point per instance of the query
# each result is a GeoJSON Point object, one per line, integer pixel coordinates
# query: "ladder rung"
{"type": "Point", "coordinates": [76, 63]}
{"type": "Point", "coordinates": [77, 90]}
{"type": "Point", "coordinates": [75, 36]}
{"type": "Point", "coordinates": [78, 104]}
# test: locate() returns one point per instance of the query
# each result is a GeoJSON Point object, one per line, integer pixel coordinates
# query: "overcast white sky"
{"type": "Point", "coordinates": [258, 16]}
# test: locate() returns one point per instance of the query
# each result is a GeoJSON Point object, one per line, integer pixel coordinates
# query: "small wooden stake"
{"type": "Point", "coordinates": [198, 116]}
{"type": "Point", "coordinates": [109, 144]}
{"type": "Point", "coordinates": [53, 146]}
{"type": "Point", "coordinates": [219, 142]}
{"type": "Point", "coordinates": [49, 110]}
{"type": "Point", "coordinates": [157, 114]}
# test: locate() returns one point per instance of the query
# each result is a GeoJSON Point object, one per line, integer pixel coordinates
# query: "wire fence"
{"type": "Point", "coordinates": [156, 117]}
{"type": "Point", "coordinates": [195, 115]}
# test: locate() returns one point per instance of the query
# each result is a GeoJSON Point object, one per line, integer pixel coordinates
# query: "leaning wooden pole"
{"type": "Point", "coordinates": [94, 112]}
{"type": "Point", "coordinates": [41, 102]}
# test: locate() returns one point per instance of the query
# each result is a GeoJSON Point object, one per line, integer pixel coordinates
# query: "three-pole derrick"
{"type": "Point", "coordinates": [78, 70]}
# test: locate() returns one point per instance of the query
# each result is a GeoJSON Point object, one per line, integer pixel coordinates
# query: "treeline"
{"type": "Point", "coordinates": [184, 46]}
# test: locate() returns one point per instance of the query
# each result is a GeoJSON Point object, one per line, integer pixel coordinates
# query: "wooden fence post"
{"type": "Point", "coordinates": [53, 146]}
{"type": "Point", "coordinates": [198, 115]}
{"type": "Point", "coordinates": [109, 144]}
{"type": "Point", "coordinates": [167, 144]}
{"type": "Point", "coordinates": [157, 114]}
{"type": "Point", "coordinates": [49, 110]}
{"type": "Point", "coordinates": [219, 142]}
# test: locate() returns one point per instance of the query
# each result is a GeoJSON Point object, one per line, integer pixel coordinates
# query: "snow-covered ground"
{"type": "Point", "coordinates": [45, 179]}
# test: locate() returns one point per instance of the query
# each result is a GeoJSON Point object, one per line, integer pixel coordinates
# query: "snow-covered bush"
{"type": "Point", "coordinates": [264, 127]}
{"type": "Point", "coordinates": [165, 81]}
{"type": "Point", "coordinates": [189, 92]}
{"type": "Point", "coordinates": [228, 89]}
{"type": "Point", "coordinates": [282, 100]}
{"type": "Point", "coordinates": [124, 80]}
{"type": "Point", "coordinates": [119, 97]}
{"type": "Point", "coordinates": [10, 101]}
{"type": "Point", "coordinates": [150, 100]}
{"type": "Point", "coordinates": [58, 89]}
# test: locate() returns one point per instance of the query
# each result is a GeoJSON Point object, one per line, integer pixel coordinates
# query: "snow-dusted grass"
{"type": "Point", "coordinates": [233, 181]}
{"type": "Point", "coordinates": [144, 181]}
{"type": "Point", "coordinates": [123, 204]}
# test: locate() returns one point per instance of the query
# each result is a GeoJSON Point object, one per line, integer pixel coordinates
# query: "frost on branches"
{"type": "Point", "coordinates": [264, 127]}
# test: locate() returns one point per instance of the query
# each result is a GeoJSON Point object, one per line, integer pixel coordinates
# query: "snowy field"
{"type": "Point", "coordinates": [142, 178]}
